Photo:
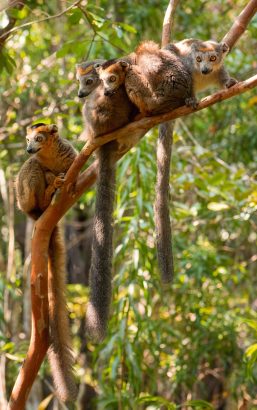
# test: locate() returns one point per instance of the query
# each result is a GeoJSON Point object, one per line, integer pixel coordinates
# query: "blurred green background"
{"type": "Point", "coordinates": [193, 345]}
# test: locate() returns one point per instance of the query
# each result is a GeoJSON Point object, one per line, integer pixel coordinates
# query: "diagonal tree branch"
{"type": "Point", "coordinates": [240, 24]}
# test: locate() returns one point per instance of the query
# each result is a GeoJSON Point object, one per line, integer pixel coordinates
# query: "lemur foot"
{"type": "Point", "coordinates": [191, 102]}
{"type": "Point", "coordinates": [231, 82]}
{"type": "Point", "coordinates": [59, 180]}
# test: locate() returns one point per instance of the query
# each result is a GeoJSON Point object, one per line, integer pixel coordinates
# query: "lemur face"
{"type": "Point", "coordinates": [40, 136]}
{"type": "Point", "coordinates": [208, 56]}
{"type": "Point", "coordinates": [88, 77]}
{"type": "Point", "coordinates": [112, 74]}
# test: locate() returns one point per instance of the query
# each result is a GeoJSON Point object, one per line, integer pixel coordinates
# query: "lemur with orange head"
{"type": "Point", "coordinates": [102, 114]}
{"type": "Point", "coordinates": [36, 183]}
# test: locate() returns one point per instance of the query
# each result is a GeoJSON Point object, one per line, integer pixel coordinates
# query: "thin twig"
{"type": "Point", "coordinates": [42, 20]}
{"type": "Point", "coordinates": [96, 32]}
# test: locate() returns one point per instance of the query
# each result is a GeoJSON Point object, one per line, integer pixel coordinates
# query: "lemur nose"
{"type": "Point", "coordinates": [205, 71]}
{"type": "Point", "coordinates": [29, 150]}
{"type": "Point", "coordinates": [81, 94]}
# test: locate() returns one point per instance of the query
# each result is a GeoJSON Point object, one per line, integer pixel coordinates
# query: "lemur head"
{"type": "Point", "coordinates": [40, 136]}
{"type": "Point", "coordinates": [208, 55]}
{"type": "Point", "coordinates": [113, 73]}
{"type": "Point", "coordinates": [88, 77]}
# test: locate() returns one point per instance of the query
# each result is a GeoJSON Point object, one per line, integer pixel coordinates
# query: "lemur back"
{"type": "Point", "coordinates": [156, 80]}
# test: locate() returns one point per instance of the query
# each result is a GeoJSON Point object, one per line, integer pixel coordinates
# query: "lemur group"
{"type": "Point", "coordinates": [149, 81]}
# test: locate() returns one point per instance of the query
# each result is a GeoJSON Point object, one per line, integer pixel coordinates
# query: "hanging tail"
{"type": "Point", "coordinates": [162, 204]}
{"type": "Point", "coordinates": [60, 352]}
{"type": "Point", "coordinates": [101, 263]}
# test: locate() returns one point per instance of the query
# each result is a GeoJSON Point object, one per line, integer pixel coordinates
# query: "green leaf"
{"type": "Point", "coordinates": [127, 27]}
{"type": "Point", "coordinates": [251, 349]}
{"type": "Point", "coordinates": [202, 404]}
{"type": "Point", "coordinates": [75, 16]}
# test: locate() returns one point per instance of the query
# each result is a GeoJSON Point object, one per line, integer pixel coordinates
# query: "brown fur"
{"type": "Point", "coordinates": [36, 182]}
{"type": "Point", "coordinates": [156, 81]}
{"type": "Point", "coordinates": [103, 113]}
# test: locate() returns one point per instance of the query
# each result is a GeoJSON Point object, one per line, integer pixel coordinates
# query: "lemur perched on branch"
{"type": "Point", "coordinates": [102, 114]}
{"type": "Point", "coordinates": [205, 62]}
{"type": "Point", "coordinates": [155, 79]}
{"type": "Point", "coordinates": [36, 182]}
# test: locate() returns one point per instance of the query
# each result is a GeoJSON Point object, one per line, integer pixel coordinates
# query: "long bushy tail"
{"type": "Point", "coordinates": [101, 262]}
{"type": "Point", "coordinates": [161, 206]}
{"type": "Point", "coordinates": [59, 353]}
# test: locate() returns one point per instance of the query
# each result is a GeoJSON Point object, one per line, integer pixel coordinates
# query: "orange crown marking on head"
{"type": "Point", "coordinates": [205, 49]}
{"type": "Point", "coordinates": [42, 128]}
{"type": "Point", "coordinates": [83, 71]}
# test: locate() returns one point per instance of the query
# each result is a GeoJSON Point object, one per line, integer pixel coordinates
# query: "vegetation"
{"type": "Point", "coordinates": [192, 345]}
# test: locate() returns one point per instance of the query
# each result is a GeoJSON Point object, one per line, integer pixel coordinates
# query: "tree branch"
{"type": "Point", "coordinates": [5, 32]}
{"type": "Point", "coordinates": [240, 24]}
{"type": "Point", "coordinates": [12, 30]}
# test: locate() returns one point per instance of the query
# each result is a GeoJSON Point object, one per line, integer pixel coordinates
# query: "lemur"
{"type": "Point", "coordinates": [155, 79]}
{"type": "Point", "coordinates": [205, 62]}
{"type": "Point", "coordinates": [102, 113]}
{"type": "Point", "coordinates": [36, 182]}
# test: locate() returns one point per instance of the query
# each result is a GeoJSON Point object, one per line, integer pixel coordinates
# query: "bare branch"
{"type": "Point", "coordinates": [240, 24]}
{"type": "Point", "coordinates": [168, 22]}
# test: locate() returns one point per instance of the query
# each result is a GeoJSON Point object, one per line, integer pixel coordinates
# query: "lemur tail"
{"type": "Point", "coordinates": [60, 352]}
{"type": "Point", "coordinates": [101, 263]}
{"type": "Point", "coordinates": [162, 205]}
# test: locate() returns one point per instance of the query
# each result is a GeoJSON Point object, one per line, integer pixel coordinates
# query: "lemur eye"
{"type": "Point", "coordinates": [198, 59]}
{"type": "Point", "coordinates": [112, 78]}
{"type": "Point", "coordinates": [89, 81]}
{"type": "Point", "coordinates": [213, 58]}
{"type": "Point", "coordinates": [39, 138]}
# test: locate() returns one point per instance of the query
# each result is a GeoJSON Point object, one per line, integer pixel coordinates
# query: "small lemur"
{"type": "Point", "coordinates": [102, 114]}
{"type": "Point", "coordinates": [205, 62]}
{"type": "Point", "coordinates": [36, 182]}
{"type": "Point", "coordinates": [155, 79]}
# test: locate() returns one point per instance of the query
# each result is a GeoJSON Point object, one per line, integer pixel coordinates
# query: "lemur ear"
{"type": "Point", "coordinates": [53, 129]}
{"type": "Point", "coordinates": [225, 47]}
{"type": "Point", "coordinates": [97, 67]}
{"type": "Point", "coordinates": [123, 64]}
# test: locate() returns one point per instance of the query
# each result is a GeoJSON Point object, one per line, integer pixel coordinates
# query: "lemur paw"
{"type": "Point", "coordinates": [231, 82]}
{"type": "Point", "coordinates": [59, 180]}
{"type": "Point", "coordinates": [191, 102]}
